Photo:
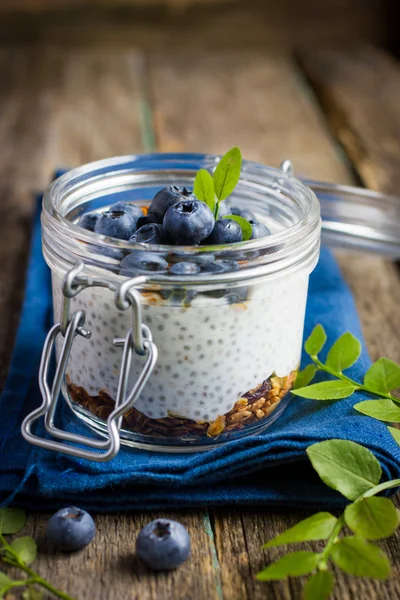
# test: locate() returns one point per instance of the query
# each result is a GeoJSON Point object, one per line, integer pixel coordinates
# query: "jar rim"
{"type": "Point", "coordinates": [281, 249]}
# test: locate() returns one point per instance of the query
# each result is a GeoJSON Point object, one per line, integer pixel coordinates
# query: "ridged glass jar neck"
{"type": "Point", "coordinates": [288, 207]}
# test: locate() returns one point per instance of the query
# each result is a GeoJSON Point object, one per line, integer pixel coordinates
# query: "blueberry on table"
{"type": "Point", "coordinates": [184, 268]}
{"type": "Point", "coordinates": [149, 218]}
{"type": "Point", "coordinates": [226, 231]}
{"type": "Point", "coordinates": [70, 529]}
{"type": "Point", "coordinates": [152, 233]}
{"type": "Point", "coordinates": [243, 212]}
{"type": "Point", "coordinates": [88, 221]}
{"type": "Point", "coordinates": [258, 230]}
{"type": "Point", "coordinates": [118, 222]}
{"type": "Point", "coordinates": [167, 197]}
{"type": "Point", "coordinates": [219, 266]}
{"type": "Point", "coordinates": [189, 222]}
{"type": "Point", "coordinates": [163, 544]}
{"type": "Point", "coordinates": [141, 261]}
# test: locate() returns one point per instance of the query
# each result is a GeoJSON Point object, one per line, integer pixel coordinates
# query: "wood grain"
{"type": "Point", "coordinates": [359, 90]}
{"type": "Point", "coordinates": [261, 103]}
{"type": "Point", "coordinates": [201, 24]}
{"type": "Point", "coordinates": [25, 133]}
{"type": "Point", "coordinates": [71, 107]}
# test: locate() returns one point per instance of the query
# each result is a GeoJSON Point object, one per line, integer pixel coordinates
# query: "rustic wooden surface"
{"type": "Point", "coordinates": [65, 108]}
{"type": "Point", "coordinates": [196, 23]}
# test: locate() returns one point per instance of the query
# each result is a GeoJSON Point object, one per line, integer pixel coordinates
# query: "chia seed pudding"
{"type": "Point", "coordinates": [228, 339]}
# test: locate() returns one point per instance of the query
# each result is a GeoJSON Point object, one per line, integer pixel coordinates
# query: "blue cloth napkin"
{"type": "Point", "coordinates": [269, 469]}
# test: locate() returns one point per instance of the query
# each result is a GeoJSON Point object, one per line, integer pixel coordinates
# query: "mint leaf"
{"type": "Point", "coordinates": [12, 520]}
{"type": "Point", "coordinates": [26, 549]}
{"type": "Point", "coordinates": [317, 527]}
{"type": "Point", "coordinates": [246, 227]}
{"type": "Point", "coordinates": [204, 188]}
{"type": "Point", "coordinates": [395, 433]}
{"type": "Point", "coordinates": [383, 376]}
{"type": "Point", "coordinates": [316, 341]}
{"type": "Point", "coordinates": [293, 564]}
{"type": "Point", "coordinates": [382, 410]}
{"type": "Point", "coordinates": [345, 466]}
{"type": "Point", "coordinates": [358, 557]}
{"type": "Point", "coordinates": [326, 390]}
{"type": "Point", "coordinates": [227, 173]}
{"type": "Point", "coordinates": [344, 353]}
{"type": "Point", "coordinates": [305, 376]}
{"type": "Point", "coordinates": [5, 581]}
{"type": "Point", "coordinates": [372, 518]}
{"type": "Point", "coordinates": [319, 586]}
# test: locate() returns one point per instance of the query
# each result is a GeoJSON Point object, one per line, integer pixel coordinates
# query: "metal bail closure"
{"type": "Point", "coordinates": [138, 339]}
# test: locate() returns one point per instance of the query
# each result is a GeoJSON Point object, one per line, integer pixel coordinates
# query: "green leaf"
{"type": "Point", "coordinates": [345, 466]}
{"type": "Point", "coordinates": [326, 390]}
{"type": "Point", "coordinates": [31, 594]}
{"type": "Point", "coordinates": [246, 227]}
{"type": "Point", "coordinates": [383, 376]}
{"type": "Point", "coordinates": [26, 549]}
{"type": "Point", "coordinates": [4, 583]}
{"type": "Point", "coordinates": [372, 518]}
{"type": "Point", "coordinates": [383, 410]}
{"type": "Point", "coordinates": [293, 565]}
{"type": "Point", "coordinates": [358, 557]}
{"type": "Point", "coordinates": [316, 341]}
{"type": "Point", "coordinates": [204, 188]}
{"type": "Point", "coordinates": [317, 527]}
{"type": "Point", "coordinates": [227, 173]}
{"type": "Point", "coordinates": [344, 353]}
{"type": "Point", "coordinates": [305, 376]}
{"type": "Point", "coordinates": [395, 433]}
{"type": "Point", "coordinates": [319, 586]}
{"type": "Point", "coordinates": [12, 520]}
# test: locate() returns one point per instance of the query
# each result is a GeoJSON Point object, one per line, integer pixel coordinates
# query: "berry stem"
{"type": "Point", "coordinates": [34, 578]}
{"type": "Point", "coordinates": [358, 386]}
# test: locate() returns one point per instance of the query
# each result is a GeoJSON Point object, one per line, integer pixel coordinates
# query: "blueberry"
{"type": "Point", "coordinates": [188, 222]}
{"type": "Point", "coordinates": [70, 529]}
{"type": "Point", "coordinates": [88, 221]}
{"type": "Point", "coordinates": [141, 261]}
{"type": "Point", "coordinates": [132, 209]}
{"type": "Point", "coordinates": [226, 231]}
{"type": "Point", "coordinates": [223, 210]}
{"type": "Point", "coordinates": [258, 230]}
{"type": "Point", "coordinates": [146, 219]}
{"type": "Point", "coordinates": [152, 233]}
{"type": "Point", "coordinates": [167, 197]}
{"type": "Point", "coordinates": [242, 212]}
{"type": "Point", "coordinates": [219, 266]}
{"type": "Point", "coordinates": [163, 544]}
{"type": "Point", "coordinates": [118, 222]}
{"type": "Point", "coordinates": [184, 268]}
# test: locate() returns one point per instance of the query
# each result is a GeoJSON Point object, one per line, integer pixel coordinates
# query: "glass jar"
{"type": "Point", "coordinates": [174, 362]}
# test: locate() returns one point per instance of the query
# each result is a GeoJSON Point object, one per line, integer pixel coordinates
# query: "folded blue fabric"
{"type": "Point", "coordinates": [271, 468]}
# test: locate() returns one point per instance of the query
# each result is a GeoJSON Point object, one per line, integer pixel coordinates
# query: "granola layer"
{"type": "Point", "coordinates": [252, 407]}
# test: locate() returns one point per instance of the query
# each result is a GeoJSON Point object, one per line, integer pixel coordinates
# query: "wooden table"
{"type": "Point", "coordinates": [335, 114]}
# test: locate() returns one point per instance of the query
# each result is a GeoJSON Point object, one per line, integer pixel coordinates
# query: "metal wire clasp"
{"type": "Point", "coordinates": [138, 339]}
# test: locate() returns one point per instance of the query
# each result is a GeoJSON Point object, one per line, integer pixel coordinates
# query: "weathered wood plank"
{"type": "Point", "coordinates": [25, 134]}
{"type": "Point", "coordinates": [359, 90]}
{"type": "Point", "coordinates": [261, 103]}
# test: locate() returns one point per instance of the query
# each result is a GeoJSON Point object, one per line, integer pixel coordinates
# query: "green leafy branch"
{"type": "Point", "coordinates": [380, 380]}
{"type": "Point", "coordinates": [213, 189]}
{"type": "Point", "coordinates": [353, 471]}
{"type": "Point", "coordinates": [20, 553]}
